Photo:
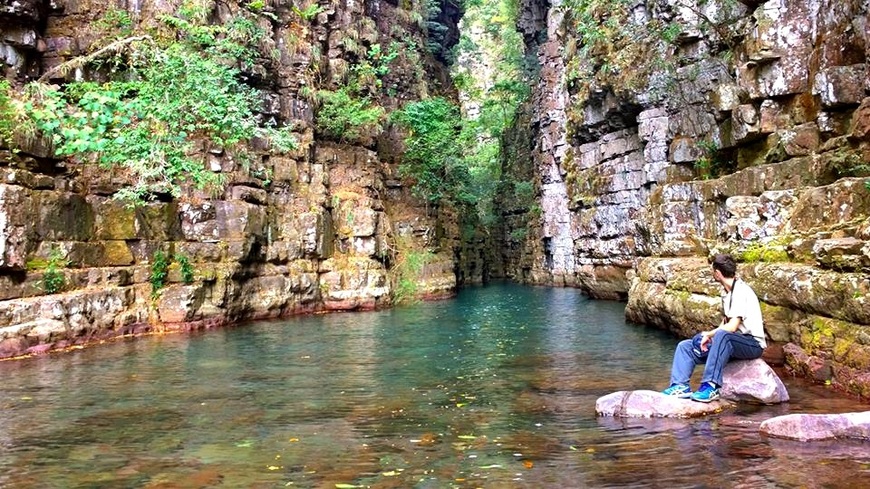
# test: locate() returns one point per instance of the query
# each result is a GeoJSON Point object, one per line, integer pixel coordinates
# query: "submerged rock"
{"type": "Point", "coordinates": [745, 380]}
{"type": "Point", "coordinates": [811, 427]}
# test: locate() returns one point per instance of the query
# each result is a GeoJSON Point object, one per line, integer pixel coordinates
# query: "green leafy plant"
{"type": "Point", "coordinates": [187, 272]}
{"type": "Point", "coordinates": [846, 162]}
{"type": "Point", "coordinates": [257, 5]}
{"type": "Point", "coordinates": [159, 272]}
{"type": "Point", "coordinates": [375, 65]}
{"type": "Point", "coordinates": [707, 165]}
{"type": "Point", "coordinates": [345, 117]}
{"type": "Point", "coordinates": [408, 273]}
{"type": "Point", "coordinates": [308, 13]}
{"type": "Point", "coordinates": [8, 117]}
{"type": "Point", "coordinates": [519, 234]}
{"type": "Point", "coordinates": [172, 93]}
{"type": "Point", "coordinates": [53, 279]}
{"type": "Point", "coordinates": [432, 157]}
{"type": "Point", "coordinates": [524, 191]}
{"type": "Point", "coordinates": [115, 23]}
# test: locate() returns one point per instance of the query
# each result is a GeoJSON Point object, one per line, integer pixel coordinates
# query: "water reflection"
{"type": "Point", "coordinates": [493, 389]}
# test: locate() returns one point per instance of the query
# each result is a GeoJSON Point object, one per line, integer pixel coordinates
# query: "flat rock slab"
{"type": "Point", "coordinates": [812, 427]}
{"type": "Point", "coordinates": [653, 404]}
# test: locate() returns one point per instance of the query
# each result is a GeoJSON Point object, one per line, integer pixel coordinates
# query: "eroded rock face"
{"type": "Point", "coordinates": [742, 149]}
{"type": "Point", "coordinates": [815, 427]}
{"type": "Point", "coordinates": [322, 227]}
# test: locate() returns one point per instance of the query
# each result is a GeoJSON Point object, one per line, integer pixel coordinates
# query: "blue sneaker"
{"type": "Point", "coordinates": [708, 392]}
{"type": "Point", "coordinates": [681, 391]}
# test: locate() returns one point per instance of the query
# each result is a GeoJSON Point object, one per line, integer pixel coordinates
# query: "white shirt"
{"type": "Point", "coordinates": [743, 303]}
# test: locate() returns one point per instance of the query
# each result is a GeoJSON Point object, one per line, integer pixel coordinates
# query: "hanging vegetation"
{"type": "Point", "coordinates": [165, 91]}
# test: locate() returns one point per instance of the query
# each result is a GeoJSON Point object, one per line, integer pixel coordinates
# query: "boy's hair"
{"type": "Point", "coordinates": [725, 264]}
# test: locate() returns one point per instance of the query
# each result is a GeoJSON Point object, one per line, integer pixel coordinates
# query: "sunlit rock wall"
{"type": "Point", "coordinates": [322, 228]}
{"type": "Point", "coordinates": [757, 148]}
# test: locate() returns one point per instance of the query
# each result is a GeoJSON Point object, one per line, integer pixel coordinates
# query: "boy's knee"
{"type": "Point", "coordinates": [719, 334]}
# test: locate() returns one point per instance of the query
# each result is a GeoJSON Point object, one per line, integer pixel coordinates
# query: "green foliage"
{"type": "Point", "coordinates": [53, 279]}
{"type": "Point", "coordinates": [524, 191]}
{"type": "Point", "coordinates": [8, 118]}
{"type": "Point", "coordinates": [169, 95]}
{"type": "Point", "coordinates": [519, 234]}
{"type": "Point", "coordinates": [345, 117]}
{"type": "Point", "coordinates": [708, 165]}
{"type": "Point", "coordinates": [186, 267]}
{"type": "Point", "coordinates": [409, 271]}
{"type": "Point", "coordinates": [115, 23]}
{"type": "Point", "coordinates": [375, 65]}
{"type": "Point", "coordinates": [308, 13]}
{"type": "Point", "coordinates": [257, 5]}
{"type": "Point", "coordinates": [432, 156]}
{"type": "Point", "coordinates": [282, 139]}
{"type": "Point", "coordinates": [773, 251]}
{"type": "Point", "coordinates": [490, 38]}
{"type": "Point", "coordinates": [159, 272]}
{"type": "Point", "coordinates": [846, 162]}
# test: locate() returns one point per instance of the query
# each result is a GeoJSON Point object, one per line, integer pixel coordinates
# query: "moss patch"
{"type": "Point", "coordinates": [769, 252]}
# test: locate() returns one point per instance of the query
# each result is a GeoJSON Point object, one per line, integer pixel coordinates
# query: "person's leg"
{"type": "Point", "coordinates": [684, 363]}
{"type": "Point", "coordinates": [724, 347]}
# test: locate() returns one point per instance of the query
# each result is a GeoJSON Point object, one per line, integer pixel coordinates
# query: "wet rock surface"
{"type": "Point", "coordinates": [654, 404]}
{"type": "Point", "coordinates": [816, 427]}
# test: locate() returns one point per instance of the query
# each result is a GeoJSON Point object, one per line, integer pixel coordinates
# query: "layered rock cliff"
{"type": "Point", "coordinates": [658, 133]}
{"type": "Point", "coordinates": [327, 226]}
{"type": "Point", "coordinates": [697, 127]}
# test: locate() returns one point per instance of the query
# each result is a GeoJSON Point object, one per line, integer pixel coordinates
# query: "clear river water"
{"type": "Point", "coordinates": [495, 388]}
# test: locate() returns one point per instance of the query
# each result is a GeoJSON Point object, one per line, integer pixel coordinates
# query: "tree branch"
{"type": "Point", "coordinates": [81, 61]}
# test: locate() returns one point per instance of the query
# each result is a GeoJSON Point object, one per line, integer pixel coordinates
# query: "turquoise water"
{"type": "Point", "coordinates": [495, 388]}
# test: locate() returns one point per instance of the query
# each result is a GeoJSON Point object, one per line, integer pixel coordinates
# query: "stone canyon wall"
{"type": "Point", "coordinates": [325, 227]}
{"type": "Point", "coordinates": [757, 146]}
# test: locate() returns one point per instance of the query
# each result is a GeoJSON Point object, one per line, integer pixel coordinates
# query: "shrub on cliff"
{"type": "Point", "coordinates": [7, 114]}
{"type": "Point", "coordinates": [345, 117]}
{"type": "Point", "coordinates": [433, 151]}
{"type": "Point", "coordinates": [163, 95]}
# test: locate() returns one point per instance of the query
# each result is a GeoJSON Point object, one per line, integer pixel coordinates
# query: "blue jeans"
{"type": "Point", "coordinates": [723, 348]}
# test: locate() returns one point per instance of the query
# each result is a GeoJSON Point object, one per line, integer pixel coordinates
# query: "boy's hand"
{"type": "Point", "coordinates": [705, 341]}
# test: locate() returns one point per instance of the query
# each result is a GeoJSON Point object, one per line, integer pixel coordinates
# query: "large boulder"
{"type": "Point", "coordinates": [752, 381]}
{"type": "Point", "coordinates": [745, 380]}
{"type": "Point", "coordinates": [812, 427]}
